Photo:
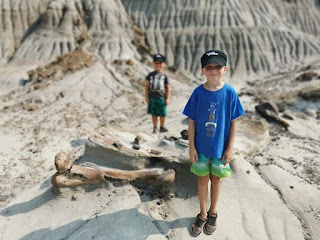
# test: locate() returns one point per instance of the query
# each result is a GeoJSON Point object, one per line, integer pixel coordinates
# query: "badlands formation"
{"type": "Point", "coordinates": [72, 80]}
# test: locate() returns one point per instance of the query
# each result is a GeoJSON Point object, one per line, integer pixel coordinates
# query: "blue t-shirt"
{"type": "Point", "coordinates": [212, 112]}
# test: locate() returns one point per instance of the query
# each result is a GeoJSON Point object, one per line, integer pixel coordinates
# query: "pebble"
{"type": "Point", "coordinates": [75, 197]}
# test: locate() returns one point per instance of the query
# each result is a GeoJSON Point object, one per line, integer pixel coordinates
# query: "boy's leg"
{"type": "Point", "coordinates": [215, 191]}
{"type": "Point", "coordinates": [203, 194]}
{"type": "Point", "coordinates": [155, 121]}
{"type": "Point", "coordinates": [202, 170]}
{"type": "Point", "coordinates": [162, 114]}
{"type": "Point", "coordinates": [211, 224]}
{"type": "Point", "coordinates": [162, 121]}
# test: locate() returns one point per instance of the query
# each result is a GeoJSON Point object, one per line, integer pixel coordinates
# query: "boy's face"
{"type": "Point", "coordinates": [214, 71]}
{"type": "Point", "coordinates": [158, 66]}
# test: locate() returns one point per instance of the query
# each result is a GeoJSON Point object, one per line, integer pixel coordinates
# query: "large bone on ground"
{"type": "Point", "coordinates": [164, 176]}
{"type": "Point", "coordinates": [79, 175]}
{"type": "Point", "coordinates": [59, 180]}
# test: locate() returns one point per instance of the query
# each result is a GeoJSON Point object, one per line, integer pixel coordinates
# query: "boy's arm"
{"type": "Point", "coordinates": [193, 155]}
{"type": "Point", "coordinates": [168, 91]}
{"type": "Point", "coordinates": [146, 90]}
{"type": "Point", "coordinates": [227, 155]}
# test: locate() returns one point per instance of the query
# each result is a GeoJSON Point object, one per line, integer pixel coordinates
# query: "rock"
{"type": "Point", "coordinates": [184, 134]}
{"type": "Point", "coordinates": [312, 92]}
{"type": "Point", "coordinates": [4, 198]}
{"type": "Point", "coordinates": [247, 92]}
{"type": "Point", "coordinates": [130, 62]}
{"type": "Point", "coordinates": [281, 107]}
{"type": "Point", "coordinates": [287, 116]}
{"type": "Point", "coordinates": [310, 112]}
{"type": "Point", "coordinates": [100, 149]}
{"type": "Point", "coordinates": [183, 142]}
{"type": "Point", "coordinates": [302, 200]}
{"type": "Point", "coordinates": [270, 111]}
{"type": "Point", "coordinates": [252, 135]}
{"type": "Point", "coordinates": [138, 139]}
{"type": "Point", "coordinates": [112, 147]}
{"type": "Point", "coordinates": [155, 151]}
{"type": "Point", "coordinates": [171, 138]}
{"type": "Point", "coordinates": [128, 73]}
{"type": "Point", "coordinates": [136, 146]}
{"type": "Point", "coordinates": [165, 142]}
{"type": "Point", "coordinates": [307, 76]}
{"type": "Point", "coordinates": [30, 107]}
{"type": "Point", "coordinates": [75, 197]}
{"type": "Point", "coordinates": [117, 144]}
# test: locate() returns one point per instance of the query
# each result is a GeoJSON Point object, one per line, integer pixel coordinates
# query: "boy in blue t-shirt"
{"type": "Point", "coordinates": [212, 110]}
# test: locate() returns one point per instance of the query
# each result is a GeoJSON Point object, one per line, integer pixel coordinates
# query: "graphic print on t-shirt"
{"type": "Point", "coordinates": [156, 83]}
{"type": "Point", "coordinates": [211, 125]}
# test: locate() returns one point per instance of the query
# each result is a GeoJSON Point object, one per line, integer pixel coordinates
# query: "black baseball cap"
{"type": "Point", "coordinates": [214, 56]}
{"type": "Point", "coordinates": [159, 57]}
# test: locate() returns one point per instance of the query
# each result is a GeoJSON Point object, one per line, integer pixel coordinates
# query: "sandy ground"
{"type": "Point", "coordinates": [272, 194]}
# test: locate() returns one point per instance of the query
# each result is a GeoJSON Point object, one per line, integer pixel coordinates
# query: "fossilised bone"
{"type": "Point", "coordinates": [62, 162]}
{"type": "Point", "coordinates": [77, 175]}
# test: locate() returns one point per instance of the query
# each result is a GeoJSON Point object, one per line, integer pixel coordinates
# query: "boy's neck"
{"type": "Point", "coordinates": [213, 85]}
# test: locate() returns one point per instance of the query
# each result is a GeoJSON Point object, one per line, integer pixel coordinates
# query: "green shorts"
{"type": "Point", "coordinates": [207, 165]}
{"type": "Point", "coordinates": [157, 107]}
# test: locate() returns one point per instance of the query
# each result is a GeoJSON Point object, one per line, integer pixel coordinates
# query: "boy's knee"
{"type": "Point", "coordinates": [204, 179]}
{"type": "Point", "coordinates": [214, 179]}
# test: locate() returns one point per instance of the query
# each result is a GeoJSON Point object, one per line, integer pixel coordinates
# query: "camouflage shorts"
{"type": "Point", "coordinates": [157, 107]}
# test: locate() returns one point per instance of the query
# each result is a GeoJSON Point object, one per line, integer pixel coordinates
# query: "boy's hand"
{"type": "Point", "coordinates": [147, 100]}
{"type": "Point", "coordinates": [193, 155]}
{"type": "Point", "coordinates": [167, 101]}
{"type": "Point", "coordinates": [227, 156]}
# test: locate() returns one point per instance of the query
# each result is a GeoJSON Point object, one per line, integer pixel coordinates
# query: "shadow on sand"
{"type": "Point", "coordinates": [125, 224]}
{"type": "Point", "coordinates": [28, 206]}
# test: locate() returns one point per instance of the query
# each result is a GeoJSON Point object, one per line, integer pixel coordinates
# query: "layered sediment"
{"type": "Point", "coordinates": [260, 37]}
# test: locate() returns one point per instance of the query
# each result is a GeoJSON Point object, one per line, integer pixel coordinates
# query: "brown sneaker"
{"type": "Point", "coordinates": [211, 224]}
{"type": "Point", "coordinates": [163, 129]}
{"type": "Point", "coordinates": [155, 130]}
{"type": "Point", "coordinates": [197, 226]}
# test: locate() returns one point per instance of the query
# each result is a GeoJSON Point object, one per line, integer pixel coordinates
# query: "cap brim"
{"type": "Point", "coordinates": [215, 60]}
{"type": "Point", "coordinates": [159, 60]}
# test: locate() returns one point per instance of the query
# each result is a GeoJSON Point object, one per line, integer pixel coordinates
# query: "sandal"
{"type": "Point", "coordinates": [211, 224]}
{"type": "Point", "coordinates": [197, 226]}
